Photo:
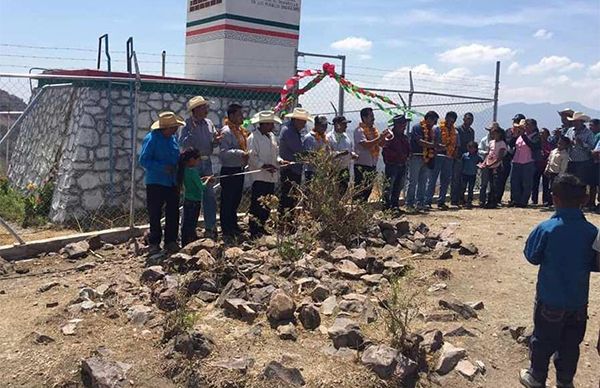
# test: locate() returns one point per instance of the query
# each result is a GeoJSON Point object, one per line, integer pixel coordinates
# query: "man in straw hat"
{"type": "Point", "coordinates": [341, 146]}
{"type": "Point", "coordinates": [200, 133]}
{"type": "Point", "coordinates": [290, 147]}
{"type": "Point", "coordinates": [159, 157]}
{"type": "Point", "coordinates": [234, 158]}
{"type": "Point", "coordinates": [582, 144]}
{"type": "Point", "coordinates": [264, 156]}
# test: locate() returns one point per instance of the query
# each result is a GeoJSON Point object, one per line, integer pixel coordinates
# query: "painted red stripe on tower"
{"type": "Point", "coordinates": [229, 27]}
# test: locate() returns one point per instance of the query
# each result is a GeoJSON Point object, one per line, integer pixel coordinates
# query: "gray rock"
{"type": "Point", "coordinates": [339, 253]}
{"type": "Point", "coordinates": [320, 293]}
{"type": "Point", "coordinates": [204, 260]}
{"type": "Point", "coordinates": [351, 306]}
{"type": "Point", "coordinates": [233, 289]}
{"type": "Point", "coordinates": [85, 267]}
{"type": "Point", "coordinates": [98, 372]}
{"type": "Point", "coordinates": [345, 333]}
{"type": "Point", "coordinates": [432, 341]}
{"type": "Point", "coordinates": [194, 344]}
{"type": "Point", "coordinates": [390, 236]}
{"type": "Point", "coordinates": [453, 242]}
{"type": "Point", "coordinates": [372, 280]}
{"type": "Point", "coordinates": [481, 366]}
{"type": "Point", "coordinates": [359, 257]}
{"type": "Point", "coordinates": [206, 296]}
{"type": "Point", "coordinates": [288, 376]}
{"type": "Point", "coordinates": [281, 307]}
{"type": "Point", "coordinates": [232, 253]}
{"type": "Point", "coordinates": [467, 370]}
{"type": "Point", "coordinates": [309, 317]}
{"type": "Point", "coordinates": [463, 309]}
{"type": "Point", "coordinates": [241, 309]}
{"type": "Point", "coordinates": [43, 339]}
{"type": "Point", "coordinates": [139, 314]}
{"type": "Point", "coordinates": [241, 364]}
{"type": "Point", "coordinates": [468, 249]}
{"type": "Point", "coordinates": [350, 270]}
{"type": "Point", "coordinates": [441, 254]}
{"type": "Point", "coordinates": [440, 316]}
{"type": "Point", "coordinates": [343, 353]}
{"type": "Point", "coordinates": [329, 305]}
{"type": "Point", "coordinates": [204, 243]}
{"type": "Point", "coordinates": [442, 273]}
{"type": "Point", "coordinates": [76, 250]}
{"type": "Point", "coordinates": [48, 286]}
{"type": "Point", "coordinates": [449, 357]}
{"type": "Point", "coordinates": [261, 295]}
{"type": "Point", "coordinates": [287, 332]}
{"type": "Point", "coordinates": [152, 274]}
{"type": "Point", "coordinates": [459, 331]}
{"type": "Point", "coordinates": [168, 300]}
{"type": "Point", "coordinates": [304, 284]}
{"type": "Point", "coordinates": [476, 305]}
{"type": "Point", "coordinates": [201, 281]}
{"type": "Point", "coordinates": [437, 287]}
{"type": "Point", "coordinates": [387, 362]}
{"type": "Point", "coordinates": [402, 227]}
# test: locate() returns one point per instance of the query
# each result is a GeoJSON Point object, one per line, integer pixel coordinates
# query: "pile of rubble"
{"type": "Point", "coordinates": [345, 286]}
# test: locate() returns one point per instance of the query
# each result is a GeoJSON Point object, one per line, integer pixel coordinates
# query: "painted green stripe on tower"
{"type": "Point", "coordinates": [243, 19]}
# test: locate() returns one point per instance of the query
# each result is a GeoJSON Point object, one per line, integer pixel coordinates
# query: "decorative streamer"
{"type": "Point", "coordinates": [290, 92]}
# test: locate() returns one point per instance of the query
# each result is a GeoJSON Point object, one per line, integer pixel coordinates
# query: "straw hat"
{"type": "Point", "coordinates": [566, 111]}
{"type": "Point", "coordinates": [300, 114]}
{"type": "Point", "coordinates": [579, 116]}
{"type": "Point", "coordinates": [195, 102]}
{"type": "Point", "coordinates": [265, 116]}
{"type": "Point", "coordinates": [167, 120]}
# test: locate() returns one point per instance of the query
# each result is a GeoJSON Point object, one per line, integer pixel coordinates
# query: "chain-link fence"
{"type": "Point", "coordinates": [71, 138]}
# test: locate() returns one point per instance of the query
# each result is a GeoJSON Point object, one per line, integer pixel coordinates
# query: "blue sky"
{"type": "Point", "coordinates": [550, 50]}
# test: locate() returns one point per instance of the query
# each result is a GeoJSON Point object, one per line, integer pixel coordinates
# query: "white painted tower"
{"type": "Point", "coordinates": [243, 41]}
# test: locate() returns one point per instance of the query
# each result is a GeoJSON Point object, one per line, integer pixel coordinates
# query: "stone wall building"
{"type": "Point", "coordinates": [70, 140]}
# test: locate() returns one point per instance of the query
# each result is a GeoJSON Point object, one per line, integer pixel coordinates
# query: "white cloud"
{"type": "Point", "coordinates": [475, 53]}
{"type": "Point", "coordinates": [353, 43]}
{"type": "Point", "coordinates": [559, 80]}
{"type": "Point", "coordinates": [543, 34]}
{"type": "Point", "coordinates": [513, 68]}
{"type": "Point", "coordinates": [594, 70]}
{"type": "Point", "coordinates": [551, 64]}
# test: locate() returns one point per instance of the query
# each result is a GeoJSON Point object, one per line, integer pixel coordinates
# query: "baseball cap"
{"type": "Point", "coordinates": [340, 119]}
{"type": "Point", "coordinates": [321, 120]}
{"type": "Point", "coordinates": [519, 117]}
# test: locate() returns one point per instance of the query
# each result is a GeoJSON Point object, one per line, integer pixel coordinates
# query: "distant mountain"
{"type": "Point", "coordinates": [545, 113]}
{"type": "Point", "coordinates": [9, 102]}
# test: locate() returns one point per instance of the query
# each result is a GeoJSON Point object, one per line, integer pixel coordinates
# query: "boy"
{"type": "Point", "coordinates": [470, 160]}
{"type": "Point", "coordinates": [560, 311]}
{"type": "Point", "coordinates": [558, 161]}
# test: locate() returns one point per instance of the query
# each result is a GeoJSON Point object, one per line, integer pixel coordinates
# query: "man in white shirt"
{"type": "Point", "coordinates": [264, 156]}
{"type": "Point", "coordinates": [340, 144]}
{"type": "Point", "coordinates": [484, 150]}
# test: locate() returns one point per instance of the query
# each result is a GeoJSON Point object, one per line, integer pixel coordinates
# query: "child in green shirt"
{"type": "Point", "coordinates": [188, 177]}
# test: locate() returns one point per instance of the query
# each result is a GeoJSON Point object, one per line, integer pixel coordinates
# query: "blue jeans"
{"type": "Point", "coordinates": [209, 200]}
{"type": "Point", "coordinates": [521, 181]}
{"type": "Point", "coordinates": [418, 173]}
{"type": "Point", "coordinates": [443, 169]}
{"type": "Point", "coordinates": [395, 175]}
{"type": "Point", "coordinates": [559, 333]}
{"type": "Point", "coordinates": [191, 211]}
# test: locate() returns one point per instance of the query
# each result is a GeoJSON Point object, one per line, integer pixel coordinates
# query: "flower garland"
{"type": "Point", "coordinates": [240, 134]}
{"type": "Point", "coordinates": [320, 137]}
{"type": "Point", "coordinates": [448, 138]}
{"type": "Point", "coordinates": [428, 153]}
{"type": "Point", "coordinates": [371, 133]}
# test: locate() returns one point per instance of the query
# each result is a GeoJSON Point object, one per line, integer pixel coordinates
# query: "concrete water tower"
{"type": "Point", "coordinates": [243, 41]}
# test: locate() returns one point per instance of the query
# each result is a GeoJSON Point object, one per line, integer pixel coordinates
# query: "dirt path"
{"type": "Point", "coordinates": [499, 276]}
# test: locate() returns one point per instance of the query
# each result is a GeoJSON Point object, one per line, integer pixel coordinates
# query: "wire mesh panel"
{"type": "Point", "coordinates": [68, 160]}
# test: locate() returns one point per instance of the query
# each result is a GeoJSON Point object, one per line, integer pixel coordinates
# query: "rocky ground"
{"type": "Point", "coordinates": [224, 316]}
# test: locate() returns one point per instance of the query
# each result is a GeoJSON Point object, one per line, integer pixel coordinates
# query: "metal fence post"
{"type": "Point", "coordinates": [410, 97]}
{"type": "Point", "coordinates": [164, 62]}
{"type": "Point", "coordinates": [342, 93]}
{"type": "Point", "coordinates": [135, 125]}
{"type": "Point", "coordinates": [496, 88]}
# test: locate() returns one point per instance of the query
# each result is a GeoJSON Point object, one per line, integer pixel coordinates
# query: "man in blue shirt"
{"type": "Point", "coordinates": [159, 157]}
{"type": "Point", "coordinates": [200, 133]}
{"type": "Point", "coordinates": [564, 248]}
